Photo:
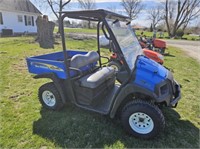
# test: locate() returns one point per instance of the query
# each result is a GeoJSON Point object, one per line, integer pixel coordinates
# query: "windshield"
{"type": "Point", "coordinates": [127, 41]}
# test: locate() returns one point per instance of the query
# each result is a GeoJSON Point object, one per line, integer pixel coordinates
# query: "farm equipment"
{"type": "Point", "coordinates": [81, 78]}
{"type": "Point", "coordinates": [154, 56]}
{"type": "Point", "coordinates": [154, 44]}
{"type": "Point", "coordinates": [115, 61]}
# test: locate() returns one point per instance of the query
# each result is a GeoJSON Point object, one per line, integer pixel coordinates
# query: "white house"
{"type": "Point", "coordinates": [18, 16]}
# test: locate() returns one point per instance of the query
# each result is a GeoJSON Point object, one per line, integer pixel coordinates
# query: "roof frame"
{"type": "Point", "coordinates": [92, 15]}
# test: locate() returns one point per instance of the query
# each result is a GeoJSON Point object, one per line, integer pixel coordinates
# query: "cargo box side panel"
{"type": "Point", "coordinates": [39, 66]}
{"type": "Point", "coordinates": [54, 63]}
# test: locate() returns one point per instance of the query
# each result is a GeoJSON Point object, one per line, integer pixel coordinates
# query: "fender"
{"type": "Point", "coordinates": [57, 82]}
{"type": "Point", "coordinates": [124, 92]}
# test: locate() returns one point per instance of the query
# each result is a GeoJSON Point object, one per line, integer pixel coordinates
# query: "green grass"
{"type": "Point", "coordinates": [150, 34]}
{"type": "Point", "coordinates": [189, 37]}
{"type": "Point", "coordinates": [138, 32]}
{"type": "Point", "coordinates": [25, 124]}
{"type": "Point", "coordinates": [78, 30]}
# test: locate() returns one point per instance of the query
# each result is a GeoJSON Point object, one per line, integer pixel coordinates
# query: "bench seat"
{"type": "Point", "coordinates": [97, 78]}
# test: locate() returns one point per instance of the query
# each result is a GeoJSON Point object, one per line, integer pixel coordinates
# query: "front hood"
{"type": "Point", "coordinates": [149, 73]}
{"type": "Point", "coordinates": [151, 66]}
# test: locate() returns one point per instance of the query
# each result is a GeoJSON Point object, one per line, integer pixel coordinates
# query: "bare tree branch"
{"type": "Point", "coordinates": [63, 5]}
{"type": "Point", "coordinates": [132, 7]}
{"type": "Point", "coordinates": [52, 8]}
{"type": "Point", "coordinates": [155, 15]}
{"type": "Point", "coordinates": [87, 5]}
{"type": "Point", "coordinates": [55, 6]}
{"type": "Point", "coordinates": [112, 8]}
{"type": "Point", "coordinates": [185, 11]}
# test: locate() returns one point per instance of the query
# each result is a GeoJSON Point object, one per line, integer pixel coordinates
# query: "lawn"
{"type": "Point", "coordinates": [138, 32]}
{"type": "Point", "coordinates": [165, 35]}
{"type": "Point", "coordinates": [78, 30]}
{"type": "Point", "coordinates": [24, 124]}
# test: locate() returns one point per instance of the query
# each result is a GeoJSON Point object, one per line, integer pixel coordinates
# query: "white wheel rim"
{"type": "Point", "coordinates": [141, 123]}
{"type": "Point", "coordinates": [49, 98]}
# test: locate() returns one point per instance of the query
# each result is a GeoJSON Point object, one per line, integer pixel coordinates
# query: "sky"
{"type": "Point", "coordinates": [106, 4]}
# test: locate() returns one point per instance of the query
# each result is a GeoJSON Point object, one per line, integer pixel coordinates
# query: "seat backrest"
{"type": "Point", "coordinates": [79, 60]}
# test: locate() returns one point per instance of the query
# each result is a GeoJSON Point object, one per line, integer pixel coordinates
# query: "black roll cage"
{"type": "Point", "coordinates": [92, 15]}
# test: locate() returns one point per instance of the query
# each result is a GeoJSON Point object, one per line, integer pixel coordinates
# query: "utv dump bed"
{"type": "Point", "coordinates": [54, 63]}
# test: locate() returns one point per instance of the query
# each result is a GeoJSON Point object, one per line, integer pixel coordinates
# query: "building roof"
{"type": "Point", "coordinates": [138, 27]}
{"type": "Point", "coordinates": [18, 5]}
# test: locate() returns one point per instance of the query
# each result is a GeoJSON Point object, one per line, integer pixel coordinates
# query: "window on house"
{"type": "Point", "coordinates": [1, 18]}
{"type": "Point", "coordinates": [29, 20]}
{"type": "Point", "coordinates": [20, 18]}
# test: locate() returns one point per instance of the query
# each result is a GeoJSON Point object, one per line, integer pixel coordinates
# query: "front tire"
{"type": "Point", "coordinates": [49, 97]}
{"type": "Point", "coordinates": [142, 119]}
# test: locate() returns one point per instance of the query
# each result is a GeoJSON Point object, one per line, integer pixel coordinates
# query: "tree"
{"type": "Point", "coordinates": [155, 15]}
{"type": "Point", "coordinates": [60, 5]}
{"type": "Point", "coordinates": [87, 5]}
{"type": "Point", "coordinates": [180, 33]}
{"type": "Point", "coordinates": [132, 7]}
{"type": "Point", "coordinates": [178, 13]}
{"type": "Point", "coordinates": [151, 28]}
{"type": "Point", "coordinates": [112, 8]}
{"type": "Point", "coordinates": [55, 5]}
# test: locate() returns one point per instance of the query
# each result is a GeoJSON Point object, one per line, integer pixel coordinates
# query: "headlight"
{"type": "Point", "coordinates": [164, 89]}
{"type": "Point", "coordinates": [160, 56]}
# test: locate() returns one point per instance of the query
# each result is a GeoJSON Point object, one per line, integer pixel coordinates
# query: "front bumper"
{"type": "Point", "coordinates": [177, 95]}
{"type": "Point", "coordinates": [168, 92]}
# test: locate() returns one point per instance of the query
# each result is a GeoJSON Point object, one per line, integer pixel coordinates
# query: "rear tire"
{"type": "Point", "coordinates": [142, 119]}
{"type": "Point", "coordinates": [49, 97]}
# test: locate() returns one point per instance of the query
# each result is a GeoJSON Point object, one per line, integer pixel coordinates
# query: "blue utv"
{"type": "Point", "coordinates": [83, 79]}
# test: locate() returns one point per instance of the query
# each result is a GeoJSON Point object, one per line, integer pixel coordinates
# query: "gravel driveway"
{"type": "Point", "coordinates": [191, 48]}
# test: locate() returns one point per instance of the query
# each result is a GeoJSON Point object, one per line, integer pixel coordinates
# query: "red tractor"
{"type": "Point", "coordinates": [115, 60]}
{"type": "Point", "coordinates": [116, 63]}
{"type": "Point", "coordinates": [154, 44]}
{"type": "Point", "coordinates": [154, 56]}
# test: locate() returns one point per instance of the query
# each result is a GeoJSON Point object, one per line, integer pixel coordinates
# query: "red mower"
{"type": "Point", "coordinates": [116, 63]}
{"type": "Point", "coordinates": [154, 44]}
{"type": "Point", "coordinates": [154, 56]}
{"type": "Point", "coordinates": [115, 60]}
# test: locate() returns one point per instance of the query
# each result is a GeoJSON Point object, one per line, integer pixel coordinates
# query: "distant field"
{"type": "Point", "coordinates": [79, 30]}
{"type": "Point", "coordinates": [165, 35]}
{"type": "Point", "coordinates": [25, 124]}
{"type": "Point", "coordinates": [138, 32]}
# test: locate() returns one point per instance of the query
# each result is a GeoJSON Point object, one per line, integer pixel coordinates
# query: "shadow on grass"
{"type": "Point", "coordinates": [77, 128]}
{"type": "Point", "coordinates": [169, 55]}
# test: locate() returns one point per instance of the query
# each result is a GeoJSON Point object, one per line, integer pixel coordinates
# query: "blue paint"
{"type": "Point", "coordinates": [54, 63]}
{"type": "Point", "coordinates": [149, 73]}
